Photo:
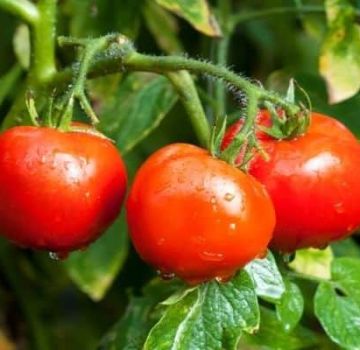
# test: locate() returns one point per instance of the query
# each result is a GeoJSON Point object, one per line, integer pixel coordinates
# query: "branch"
{"type": "Point", "coordinates": [23, 9]}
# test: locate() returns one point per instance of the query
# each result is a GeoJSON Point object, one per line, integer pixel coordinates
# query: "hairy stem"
{"type": "Point", "coordinates": [23, 9]}
{"type": "Point", "coordinates": [186, 89]}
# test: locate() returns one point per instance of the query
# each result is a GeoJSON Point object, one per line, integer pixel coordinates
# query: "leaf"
{"type": "Point", "coordinates": [196, 12]}
{"type": "Point", "coordinates": [21, 44]}
{"type": "Point", "coordinates": [131, 330]}
{"type": "Point", "coordinates": [267, 278]}
{"type": "Point", "coordinates": [8, 81]}
{"type": "Point", "coordinates": [337, 303]}
{"type": "Point", "coordinates": [212, 316]}
{"type": "Point", "coordinates": [339, 60]}
{"type": "Point", "coordinates": [346, 273]}
{"type": "Point", "coordinates": [163, 27]}
{"type": "Point", "coordinates": [291, 307]}
{"type": "Point", "coordinates": [346, 247]}
{"type": "Point", "coordinates": [313, 262]}
{"type": "Point", "coordinates": [272, 336]}
{"type": "Point", "coordinates": [94, 269]}
{"type": "Point", "coordinates": [138, 107]}
{"type": "Point", "coordinates": [339, 316]}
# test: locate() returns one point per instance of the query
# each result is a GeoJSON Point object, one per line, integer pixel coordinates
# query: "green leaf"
{"type": "Point", "coordinates": [163, 27]}
{"type": "Point", "coordinates": [22, 45]}
{"type": "Point", "coordinates": [337, 303]}
{"type": "Point", "coordinates": [196, 12]}
{"type": "Point", "coordinates": [346, 247]}
{"type": "Point", "coordinates": [313, 262]}
{"type": "Point", "coordinates": [94, 269]}
{"type": "Point", "coordinates": [346, 273]}
{"type": "Point", "coordinates": [138, 107]}
{"type": "Point", "coordinates": [8, 81]}
{"type": "Point", "coordinates": [339, 60]}
{"type": "Point", "coordinates": [131, 330]}
{"type": "Point", "coordinates": [339, 316]}
{"type": "Point", "coordinates": [212, 316]}
{"type": "Point", "coordinates": [267, 278]}
{"type": "Point", "coordinates": [291, 307]}
{"type": "Point", "coordinates": [271, 336]}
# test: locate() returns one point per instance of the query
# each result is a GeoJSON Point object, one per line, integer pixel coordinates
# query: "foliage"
{"type": "Point", "coordinates": [106, 292]}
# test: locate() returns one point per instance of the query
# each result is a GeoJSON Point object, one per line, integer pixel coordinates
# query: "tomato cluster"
{"type": "Point", "coordinates": [189, 214]}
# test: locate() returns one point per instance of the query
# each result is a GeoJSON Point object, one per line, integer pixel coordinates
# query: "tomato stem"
{"type": "Point", "coordinates": [186, 89]}
{"type": "Point", "coordinates": [23, 9]}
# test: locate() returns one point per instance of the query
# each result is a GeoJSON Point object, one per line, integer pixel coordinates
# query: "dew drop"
{"type": "Point", "coordinates": [229, 197]}
{"type": "Point", "coordinates": [210, 256]}
{"type": "Point", "coordinates": [233, 226]}
{"type": "Point", "coordinates": [223, 279]}
{"type": "Point", "coordinates": [58, 255]}
{"type": "Point", "coordinates": [166, 276]}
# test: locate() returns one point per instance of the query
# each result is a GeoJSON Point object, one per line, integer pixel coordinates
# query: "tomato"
{"type": "Point", "coordinates": [58, 190]}
{"type": "Point", "coordinates": [313, 182]}
{"type": "Point", "coordinates": [197, 217]}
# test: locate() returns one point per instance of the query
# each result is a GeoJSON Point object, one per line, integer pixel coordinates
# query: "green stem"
{"type": "Point", "coordinates": [221, 51]}
{"type": "Point", "coordinates": [139, 62]}
{"type": "Point", "coordinates": [23, 9]}
{"type": "Point", "coordinates": [26, 299]}
{"type": "Point", "coordinates": [186, 89]}
{"type": "Point", "coordinates": [43, 65]}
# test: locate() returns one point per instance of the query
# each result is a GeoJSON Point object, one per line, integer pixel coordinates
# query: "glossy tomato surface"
{"type": "Point", "coordinates": [313, 181]}
{"type": "Point", "coordinates": [196, 216]}
{"type": "Point", "coordinates": [58, 190]}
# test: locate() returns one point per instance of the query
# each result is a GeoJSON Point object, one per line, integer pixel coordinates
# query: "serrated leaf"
{"type": "Point", "coordinates": [291, 306]}
{"type": "Point", "coordinates": [339, 316]}
{"type": "Point", "coordinates": [267, 278]}
{"type": "Point", "coordinates": [94, 269]}
{"type": "Point", "coordinates": [313, 262]}
{"type": "Point", "coordinates": [212, 316]}
{"type": "Point", "coordinates": [21, 44]}
{"type": "Point", "coordinates": [271, 336]}
{"type": "Point", "coordinates": [196, 12]}
{"type": "Point", "coordinates": [339, 63]}
{"type": "Point", "coordinates": [140, 104]}
{"type": "Point", "coordinates": [163, 27]}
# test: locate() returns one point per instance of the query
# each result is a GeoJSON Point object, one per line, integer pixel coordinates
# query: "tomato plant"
{"type": "Point", "coordinates": [222, 243]}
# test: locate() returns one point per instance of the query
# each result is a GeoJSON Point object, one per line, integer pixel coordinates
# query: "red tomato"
{"type": "Point", "coordinates": [58, 190]}
{"type": "Point", "coordinates": [196, 216]}
{"type": "Point", "coordinates": [313, 182]}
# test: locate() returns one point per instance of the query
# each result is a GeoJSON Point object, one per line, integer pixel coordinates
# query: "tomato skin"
{"type": "Point", "coordinates": [314, 185]}
{"type": "Point", "coordinates": [196, 216]}
{"type": "Point", "coordinates": [59, 190]}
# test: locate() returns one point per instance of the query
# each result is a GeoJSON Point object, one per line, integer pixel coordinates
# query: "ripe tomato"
{"type": "Point", "coordinates": [196, 216]}
{"type": "Point", "coordinates": [58, 190]}
{"type": "Point", "coordinates": [313, 182]}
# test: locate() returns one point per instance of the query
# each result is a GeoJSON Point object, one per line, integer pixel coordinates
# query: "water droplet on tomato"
{"type": "Point", "coordinates": [211, 256]}
{"type": "Point", "coordinates": [233, 226]}
{"type": "Point", "coordinates": [58, 255]}
{"type": "Point", "coordinates": [229, 197]}
{"type": "Point", "coordinates": [339, 208]}
{"type": "Point", "coordinates": [223, 279]}
{"type": "Point", "coordinates": [166, 276]}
